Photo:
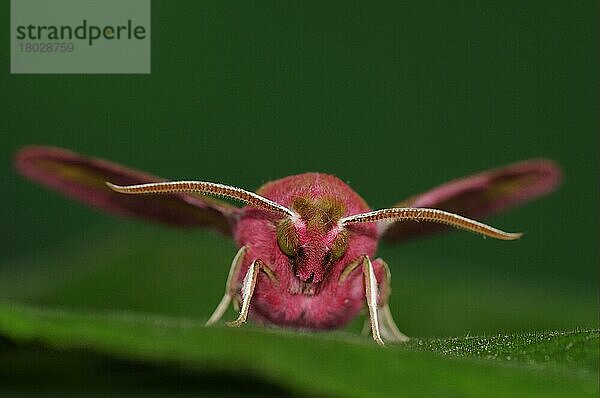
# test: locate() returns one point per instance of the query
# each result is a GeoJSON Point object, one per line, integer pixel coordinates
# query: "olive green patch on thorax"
{"type": "Point", "coordinates": [322, 213]}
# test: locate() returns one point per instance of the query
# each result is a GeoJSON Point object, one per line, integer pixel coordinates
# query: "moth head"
{"type": "Point", "coordinates": [313, 238]}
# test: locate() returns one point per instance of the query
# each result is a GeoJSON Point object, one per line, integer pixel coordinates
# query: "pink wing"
{"type": "Point", "coordinates": [84, 178]}
{"type": "Point", "coordinates": [480, 195]}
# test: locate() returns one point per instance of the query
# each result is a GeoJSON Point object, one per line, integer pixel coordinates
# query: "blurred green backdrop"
{"type": "Point", "coordinates": [394, 98]}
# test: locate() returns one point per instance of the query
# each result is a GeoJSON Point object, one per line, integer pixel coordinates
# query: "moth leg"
{"type": "Point", "coordinates": [371, 296]}
{"type": "Point", "coordinates": [234, 270]}
{"type": "Point", "coordinates": [387, 326]}
{"type": "Point", "coordinates": [248, 286]}
{"type": "Point", "coordinates": [366, 329]}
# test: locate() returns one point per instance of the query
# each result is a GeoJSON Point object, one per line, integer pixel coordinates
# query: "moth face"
{"type": "Point", "coordinates": [314, 240]}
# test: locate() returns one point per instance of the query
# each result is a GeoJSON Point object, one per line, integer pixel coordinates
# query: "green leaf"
{"type": "Point", "coordinates": [575, 349]}
{"type": "Point", "coordinates": [324, 364]}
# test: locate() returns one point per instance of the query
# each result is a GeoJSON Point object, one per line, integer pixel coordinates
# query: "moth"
{"type": "Point", "coordinates": [307, 242]}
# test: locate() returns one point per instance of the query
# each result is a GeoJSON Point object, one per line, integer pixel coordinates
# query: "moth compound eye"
{"type": "Point", "coordinates": [287, 238]}
{"type": "Point", "coordinates": [340, 245]}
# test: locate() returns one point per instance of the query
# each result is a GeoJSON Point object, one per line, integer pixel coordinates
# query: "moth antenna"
{"type": "Point", "coordinates": [429, 215]}
{"type": "Point", "coordinates": [208, 188]}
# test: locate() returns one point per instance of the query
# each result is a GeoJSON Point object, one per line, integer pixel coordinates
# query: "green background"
{"type": "Point", "coordinates": [393, 98]}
